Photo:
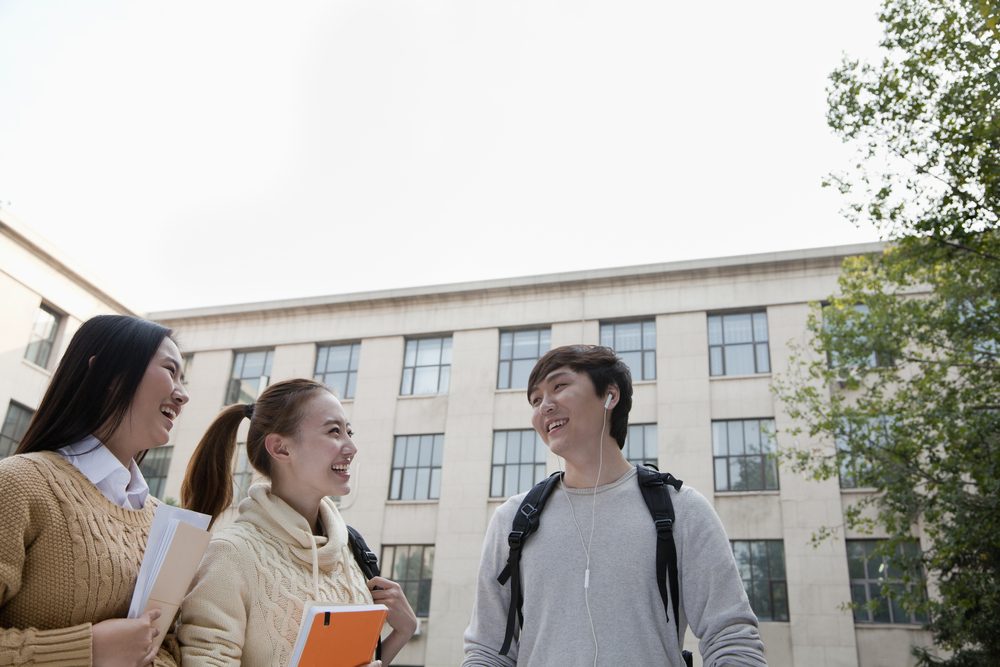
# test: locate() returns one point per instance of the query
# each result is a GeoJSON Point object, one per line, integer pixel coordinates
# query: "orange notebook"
{"type": "Point", "coordinates": [338, 635]}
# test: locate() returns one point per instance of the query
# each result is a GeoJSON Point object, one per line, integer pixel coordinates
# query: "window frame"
{"type": "Point", "coordinates": [763, 456]}
{"type": "Point", "coordinates": [397, 484]}
{"type": "Point", "coordinates": [423, 584]}
{"type": "Point", "coordinates": [543, 338]}
{"type": "Point", "coordinates": [160, 457]}
{"type": "Point", "coordinates": [234, 390]}
{"type": "Point", "coordinates": [773, 583]}
{"type": "Point", "coordinates": [755, 344]}
{"type": "Point", "coordinates": [646, 354]}
{"type": "Point", "coordinates": [350, 375]}
{"type": "Point", "coordinates": [645, 437]}
{"type": "Point", "coordinates": [860, 606]}
{"type": "Point", "coordinates": [23, 419]}
{"type": "Point", "coordinates": [48, 343]}
{"type": "Point", "coordinates": [409, 381]}
{"type": "Point", "coordinates": [537, 465]}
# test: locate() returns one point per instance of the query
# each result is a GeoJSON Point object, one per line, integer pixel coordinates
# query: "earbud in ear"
{"type": "Point", "coordinates": [607, 403]}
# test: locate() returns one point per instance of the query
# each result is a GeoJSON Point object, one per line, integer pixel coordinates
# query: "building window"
{"type": "Point", "coordinates": [518, 462]}
{"type": "Point", "coordinates": [878, 358]}
{"type": "Point", "coordinates": [242, 473]}
{"type": "Point", "coordinates": [337, 368]}
{"type": "Point", "coordinates": [43, 336]}
{"type": "Point", "coordinates": [426, 366]}
{"type": "Point", "coordinates": [745, 454]}
{"type": "Point", "coordinates": [188, 361]}
{"type": "Point", "coordinates": [762, 567]}
{"type": "Point", "coordinates": [877, 582]}
{"type": "Point", "coordinates": [14, 425]}
{"type": "Point", "coordinates": [412, 567]}
{"type": "Point", "coordinates": [416, 467]}
{"type": "Point", "coordinates": [635, 343]}
{"type": "Point", "coordinates": [251, 374]}
{"type": "Point", "coordinates": [737, 344]}
{"type": "Point", "coordinates": [519, 352]}
{"type": "Point", "coordinates": [641, 445]}
{"type": "Point", "coordinates": [154, 468]}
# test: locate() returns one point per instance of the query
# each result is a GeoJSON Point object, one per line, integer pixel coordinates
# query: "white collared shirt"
{"type": "Point", "coordinates": [123, 486]}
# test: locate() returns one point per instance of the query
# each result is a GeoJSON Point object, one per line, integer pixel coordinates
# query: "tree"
{"type": "Point", "coordinates": [922, 430]}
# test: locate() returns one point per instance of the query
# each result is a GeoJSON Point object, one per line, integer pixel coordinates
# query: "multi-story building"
{"type": "Point", "coordinates": [433, 380]}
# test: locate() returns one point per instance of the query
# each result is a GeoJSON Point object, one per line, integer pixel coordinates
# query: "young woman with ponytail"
{"type": "Point", "coordinates": [75, 511]}
{"type": "Point", "coordinates": [288, 546]}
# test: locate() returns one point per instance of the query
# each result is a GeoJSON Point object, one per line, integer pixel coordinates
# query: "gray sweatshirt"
{"type": "Point", "coordinates": [623, 597]}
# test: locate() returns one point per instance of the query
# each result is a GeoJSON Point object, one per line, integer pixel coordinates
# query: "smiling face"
{"type": "Point", "coordinates": [568, 414]}
{"type": "Point", "coordinates": [320, 453]}
{"type": "Point", "coordinates": [155, 406]}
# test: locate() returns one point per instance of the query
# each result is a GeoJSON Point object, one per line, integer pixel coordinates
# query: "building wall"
{"type": "Point", "coordinates": [683, 401]}
{"type": "Point", "coordinates": [33, 273]}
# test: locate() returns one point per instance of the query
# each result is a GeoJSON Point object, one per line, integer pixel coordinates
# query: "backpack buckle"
{"type": "Point", "coordinates": [528, 510]}
{"type": "Point", "coordinates": [514, 539]}
{"type": "Point", "coordinates": [369, 557]}
{"type": "Point", "coordinates": [664, 526]}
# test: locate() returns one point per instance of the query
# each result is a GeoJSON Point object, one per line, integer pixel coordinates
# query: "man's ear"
{"type": "Point", "coordinates": [614, 393]}
{"type": "Point", "coordinates": [277, 447]}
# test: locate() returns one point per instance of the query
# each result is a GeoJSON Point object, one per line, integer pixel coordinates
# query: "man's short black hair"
{"type": "Point", "coordinates": [603, 366]}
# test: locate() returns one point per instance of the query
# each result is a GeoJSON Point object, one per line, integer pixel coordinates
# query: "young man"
{"type": "Point", "coordinates": [588, 574]}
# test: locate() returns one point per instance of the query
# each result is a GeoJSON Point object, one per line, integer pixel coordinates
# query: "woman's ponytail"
{"type": "Point", "coordinates": [208, 482]}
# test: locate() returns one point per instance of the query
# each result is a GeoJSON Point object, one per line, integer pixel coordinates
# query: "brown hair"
{"type": "Point", "coordinates": [208, 482]}
{"type": "Point", "coordinates": [603, 366]}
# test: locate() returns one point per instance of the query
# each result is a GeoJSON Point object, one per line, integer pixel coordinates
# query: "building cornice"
{"type": "Point", "coordinates": [60, 261]}
{"type": "Point", "coordinates": [544, 281]}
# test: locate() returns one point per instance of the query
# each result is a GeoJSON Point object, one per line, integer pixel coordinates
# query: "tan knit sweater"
{"type": "Point", "coordinates": [245, 605]}
{"type": "Point", "coordinates": [69, 557]}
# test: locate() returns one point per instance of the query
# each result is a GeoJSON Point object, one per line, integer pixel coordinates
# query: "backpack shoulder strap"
{"type": "Point", "coordinates": [367, 560]}
{"type": "Point", "coordinates": [653, 485]}
{"type": "Point", "coordinates": [526, 521]}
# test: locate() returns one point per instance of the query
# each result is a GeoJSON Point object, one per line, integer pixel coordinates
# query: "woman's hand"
{"type": "Point", "coordinates": [125, 642]}
{"type": "Point", "coordinates": [400, 617]}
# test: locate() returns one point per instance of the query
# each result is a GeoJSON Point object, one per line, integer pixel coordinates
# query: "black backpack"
{"type": "Point", "coordinates": [368, 562]}
{"type": "Point", "coordinates": [653, 485]}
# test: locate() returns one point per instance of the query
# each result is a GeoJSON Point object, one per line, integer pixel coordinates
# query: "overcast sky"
{"type": "Point", "coordinates": [201, 153]}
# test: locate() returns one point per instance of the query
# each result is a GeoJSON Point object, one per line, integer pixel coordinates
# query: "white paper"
{"type": "Point", "coordinates": [160, 533]}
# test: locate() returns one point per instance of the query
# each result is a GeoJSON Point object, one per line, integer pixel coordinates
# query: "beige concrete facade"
{"type": "Point", "coordinates": [34, 273]}
{"type": "Point", "coordinates": [683, 401]}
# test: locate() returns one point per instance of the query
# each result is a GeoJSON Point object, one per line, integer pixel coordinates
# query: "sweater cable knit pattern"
{"type": "Point", "coordinates": [68, 559]}
{"type": "Point", "coordinates": [246, 603]}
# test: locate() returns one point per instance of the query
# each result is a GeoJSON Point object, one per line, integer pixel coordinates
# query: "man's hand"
{"type": "Point", "coordinates": [125, 642]}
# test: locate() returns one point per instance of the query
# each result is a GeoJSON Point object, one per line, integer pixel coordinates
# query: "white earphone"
{"type": "Point", "coordinates": [607, 403]}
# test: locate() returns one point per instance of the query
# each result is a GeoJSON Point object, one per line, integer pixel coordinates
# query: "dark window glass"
{"type": "Point", "coordinates": [416, 467]}
{"type": "Point", "coordinates": [15, 423]}
{"type": "Point", "coordinates": [518, 462]}
{"type": "Point", "coordinates": [412, 567]}
{"type": "Point", "coordinates": [43, 336]}
{"type": "Point", "coordinates": [426, 366]}
{"type": "Point", "coordinates": [154, 468]}
{"type": "Point", "coordinates": [761, 564]}
{"type": "Point", "coordinates": [737, 344]}
{"type": "Point", "coordinates": [337, 368]}
{"type": "Point", "coordinates": [251, 375]}
{"type": "Point", "coordinates": [519, 352]}
{"type": "Point", "coordinates": [641, 445]}
{"type": "Point", "coordinates": [745, 455]}
{"type": "Point", "coordinates": [876, 582]}
{"type": "Point", "coordinates": [635, 343]}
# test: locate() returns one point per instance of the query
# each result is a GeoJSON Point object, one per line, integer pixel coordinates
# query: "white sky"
{"type": "Point", "coordinates": [200, 153]}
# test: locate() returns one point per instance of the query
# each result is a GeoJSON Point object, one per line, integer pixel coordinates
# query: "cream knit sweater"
{"type": "Point", "coordinates": [246, 602]}
{"type": "Point", "coordinates": [69, 557]}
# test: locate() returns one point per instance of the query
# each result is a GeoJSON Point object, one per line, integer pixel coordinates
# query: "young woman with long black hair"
{"type": "Point", "coordinates": [75, 511]}
{"type": "Point", "coordinates": [288, 545]}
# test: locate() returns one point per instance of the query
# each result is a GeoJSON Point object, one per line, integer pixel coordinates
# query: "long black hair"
{"type": "Point", "coordinates": [86, 396]}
